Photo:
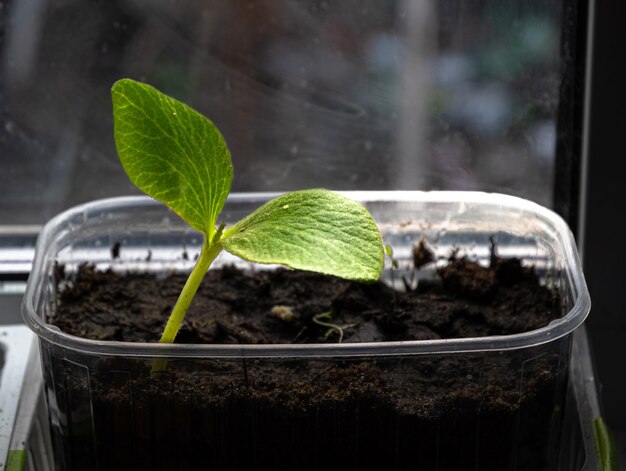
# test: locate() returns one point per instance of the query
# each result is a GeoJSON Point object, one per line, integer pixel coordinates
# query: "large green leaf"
{"type": "Point", "coordinates": [314, 230]}
{"type": "Point", "coordinates": [172, 153]}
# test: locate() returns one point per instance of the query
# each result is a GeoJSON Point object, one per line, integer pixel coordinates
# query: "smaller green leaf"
{"type": "Point", "coordinates": [314, 230]}
{"type": "Point", "coordinates": [172, 153]}
{"type": "Point", "coordinates": [16, 461]}
{"type": "Point", "coordinates": [605, 445]}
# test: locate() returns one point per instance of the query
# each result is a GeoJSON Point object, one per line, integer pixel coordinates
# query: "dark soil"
{"type": "Point", "coordinates": [284, 306]}
{"type": "Point", "coordinates": [481, 411]}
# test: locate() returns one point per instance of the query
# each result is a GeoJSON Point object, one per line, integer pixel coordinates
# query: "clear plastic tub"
{"type": "Point", "coordinates": [108, 412]}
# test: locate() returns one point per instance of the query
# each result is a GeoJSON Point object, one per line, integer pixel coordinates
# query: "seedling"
{"type": "Point", "coordinates": [394, 266]}
{"type": "Point", "coordinates": [389, 253]}
{"type": "Point", "coordinates": [324, 319]}
{"type": "Point", "coordinates": [178, 157]}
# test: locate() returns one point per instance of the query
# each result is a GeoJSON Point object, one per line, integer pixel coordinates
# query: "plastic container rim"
{"type": "Point", "coordinates": [555, 330]}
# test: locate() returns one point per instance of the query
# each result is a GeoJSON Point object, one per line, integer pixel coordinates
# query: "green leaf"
{"type": "Point", "coordinates": [605, 445]}
{"type": "Point", "coordinates": [314, 230]}
{"type": "Point", "coordinates": [16, 461]}
{"type": "Point", "coordinates": [172, 153]}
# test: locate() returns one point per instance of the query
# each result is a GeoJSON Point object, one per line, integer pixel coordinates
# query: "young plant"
{"type": "Point", "coordinates": [178, 157]}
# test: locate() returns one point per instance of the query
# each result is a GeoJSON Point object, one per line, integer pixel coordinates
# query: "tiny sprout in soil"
{"type": "Point", "coordinates": [323, 319]}
{"type": "Point", "coordinates": [178, 157]}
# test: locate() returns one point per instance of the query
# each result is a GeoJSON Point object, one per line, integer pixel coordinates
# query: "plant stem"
{"type": "Point", "coordinates": [207, 255]}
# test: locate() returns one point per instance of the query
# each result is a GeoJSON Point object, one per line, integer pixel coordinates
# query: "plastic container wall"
{"type": "Point", "coordinates": [480, 403]}
{"type": "Point", "coordinates": [576, 453]}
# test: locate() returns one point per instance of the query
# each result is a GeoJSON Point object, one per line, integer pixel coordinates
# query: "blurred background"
{"type": "Point", "coordinates": [494, 95]}
{"type": "Point", "coordinates": [357, 94]}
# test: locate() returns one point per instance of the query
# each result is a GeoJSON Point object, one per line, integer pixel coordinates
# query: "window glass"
{"type": "Point", "coordinates": [357, 94]}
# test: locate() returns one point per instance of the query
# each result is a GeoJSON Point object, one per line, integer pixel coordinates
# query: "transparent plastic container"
{"type": "Point", "coordinates": [107, 411]}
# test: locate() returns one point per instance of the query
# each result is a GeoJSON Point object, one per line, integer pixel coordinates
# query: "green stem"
{"type": "Point", "coordinates": [207, 255]}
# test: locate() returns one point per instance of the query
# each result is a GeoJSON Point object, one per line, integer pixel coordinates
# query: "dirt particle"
{"type": "Point", "coordinates": [115, 250]}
